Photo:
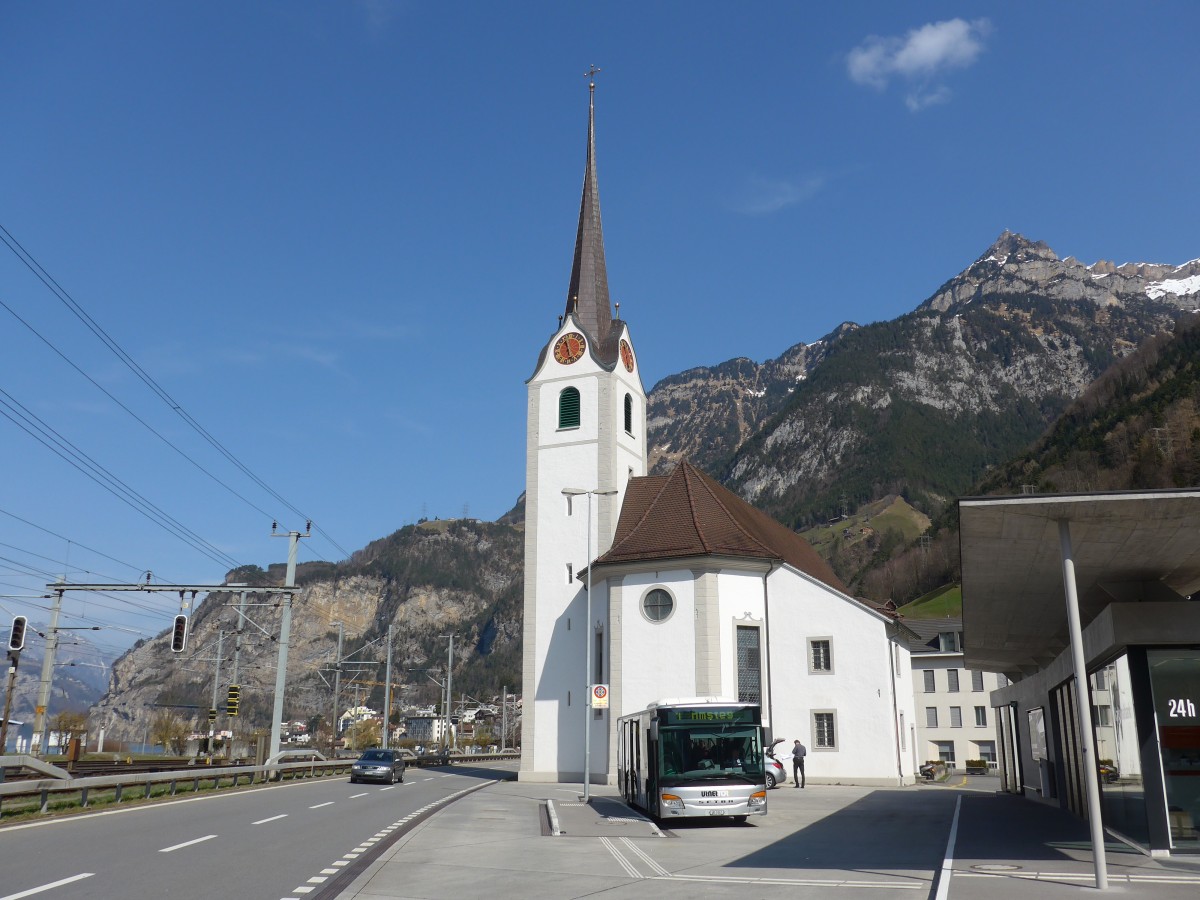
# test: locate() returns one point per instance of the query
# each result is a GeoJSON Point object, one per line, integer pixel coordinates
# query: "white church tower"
{"type": "Point", "coordinates": [586, 432]}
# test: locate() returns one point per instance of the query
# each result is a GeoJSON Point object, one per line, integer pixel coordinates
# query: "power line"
{"type": "Point", "coordinates": [24, 419]}
{"type": "Point", "coordinates": [134, 415]}
{"type": "Point", "coordinates": [69, 541]}
{"type": "Point", "coordinates": [59, 291]}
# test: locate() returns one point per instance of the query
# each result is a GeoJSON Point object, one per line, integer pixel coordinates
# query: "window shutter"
{"type": "Point", "coordinates": [568, 408]}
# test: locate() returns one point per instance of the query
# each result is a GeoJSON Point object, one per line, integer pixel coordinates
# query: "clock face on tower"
{"type": "Point", "coordinates": [569, 348]}
{"type": "Point", "coordinates": [626, 355]}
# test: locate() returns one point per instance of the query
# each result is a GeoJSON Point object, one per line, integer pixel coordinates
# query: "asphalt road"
{"type": "Point", "coordinates": [260, 843]}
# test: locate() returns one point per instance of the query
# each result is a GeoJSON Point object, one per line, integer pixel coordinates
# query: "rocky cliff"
{"type": "Point", "coordinates": [460, 577]}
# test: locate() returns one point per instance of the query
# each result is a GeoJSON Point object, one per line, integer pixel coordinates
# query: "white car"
{"type": "Point", "coordinates": [772, 767]}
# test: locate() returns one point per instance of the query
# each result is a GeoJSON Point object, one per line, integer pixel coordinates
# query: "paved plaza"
{"type": "Point", "coordinates": [522, 840]}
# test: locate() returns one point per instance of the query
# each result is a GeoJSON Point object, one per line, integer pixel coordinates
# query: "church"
{"type": "Point", "coordinates": [693, 592]}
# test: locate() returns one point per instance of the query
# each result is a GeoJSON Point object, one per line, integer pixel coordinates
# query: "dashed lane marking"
{"type": "Point", "coordinates": [319, 805]}
{"type": "Point", "coordinates": [347, 859]}
{"type": "Point", "coordinates": [47, 887]}
{"type": "Point", "coordinates": [272, 819]}
{"type": "Point", "coordinates": [356, 796]}
{"type": "Point", "coordinates": [199, 840]}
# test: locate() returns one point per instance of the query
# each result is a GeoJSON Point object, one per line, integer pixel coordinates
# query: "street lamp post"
{"type": "Point", "coordinates": [587, 639]}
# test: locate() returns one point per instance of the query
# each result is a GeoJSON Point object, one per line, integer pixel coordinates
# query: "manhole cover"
{"type": "Point", "coordinates": [996, 867]}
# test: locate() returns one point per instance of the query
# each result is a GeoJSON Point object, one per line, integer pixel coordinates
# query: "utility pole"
{"type": "Point", "coordinates": [450, 690]}
{"type": "Point", "coordinates": [285, 635]}
{"type": "Point", "coordinates": [337, 687]}
{"type": "Point", "coordinates": [41, 725]}
{"type": "Point", "coordinates": [212, 724]}
{"type": "Point", "coordinates": [503, 716]}
{"type": "Point", "coordinates": [14, 657]}
{"type": "Point", "coordinates": [387, 691]}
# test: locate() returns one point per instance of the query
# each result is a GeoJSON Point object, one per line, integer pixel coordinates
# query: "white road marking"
{"type": "Point", "coordinates": [272, 819]}
{"type": "Point", "coordinates": [329, 871]}
{"type": "Point", "coordinates": [199, 840]}
{"type": "Point", "coordinates": [319, 805]}
{"type": "Point", "coordinates": [341, 862]}
{"type": "Point", "coordinates": [645, 857]}
{"type": "Point", "coordinates": [621, 860]}
{"type": "Point", "coordinates": [318, 879]}
{"type": "Point", "coordinates": [356, 796]}
{"type": "Point", "coordinates": [48, 887]}
{"type": "Point", "coordinates": [943, 890]}
{"type": "Point", "coordinates": [804, 882]}
{"type": "Point", "coordinates": [392, 787]}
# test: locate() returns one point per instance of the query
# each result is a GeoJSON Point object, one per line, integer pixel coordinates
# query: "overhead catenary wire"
{"type": "Point", "coordinates": [64, 296]}
{"type": "Point", "coordinates": [28, 422]}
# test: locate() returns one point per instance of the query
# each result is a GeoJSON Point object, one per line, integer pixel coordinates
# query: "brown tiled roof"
{"type": "Point", "coordinates": [688, 514]}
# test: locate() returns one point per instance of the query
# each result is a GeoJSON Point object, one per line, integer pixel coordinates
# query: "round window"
{"type": "Point", "coordinates": [657, 605]}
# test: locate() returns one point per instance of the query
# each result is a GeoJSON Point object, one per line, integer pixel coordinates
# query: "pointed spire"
{"type": "Point", "coordinates": [587, 296]}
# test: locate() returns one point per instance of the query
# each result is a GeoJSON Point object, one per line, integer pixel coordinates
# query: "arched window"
{"type": "Point", "coordinates": [568, 408]}
{"type": "Point", "coordinates": [629, 414]}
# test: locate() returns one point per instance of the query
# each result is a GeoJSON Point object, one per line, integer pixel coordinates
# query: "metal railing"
{"type": "Point", "coordinates": [55, 786]}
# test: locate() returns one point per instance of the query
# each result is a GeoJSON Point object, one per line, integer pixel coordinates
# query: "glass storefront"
{"type": "Point", "coordinates": [1175, 681]}
{"type": "Point", "coordinates": [1122, 793]}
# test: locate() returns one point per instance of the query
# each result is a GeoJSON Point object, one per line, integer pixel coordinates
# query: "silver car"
{"type": "Point", "coordinates": [378, 765]}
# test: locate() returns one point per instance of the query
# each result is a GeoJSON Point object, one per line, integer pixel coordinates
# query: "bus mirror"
{"type": "Point", "coordinates": [653, 736]}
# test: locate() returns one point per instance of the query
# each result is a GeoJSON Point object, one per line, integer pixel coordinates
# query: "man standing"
{"type": "Point", "coordinates": [798, 754]}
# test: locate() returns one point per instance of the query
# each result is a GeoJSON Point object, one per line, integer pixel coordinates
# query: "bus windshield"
{"type": "Point", "coordinates": [710, 752]}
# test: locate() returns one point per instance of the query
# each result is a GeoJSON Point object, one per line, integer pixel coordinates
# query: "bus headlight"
{"type": "Point", "coordinates": [758, 798]}
{"type": "Point", "coordinates": [670, 801]}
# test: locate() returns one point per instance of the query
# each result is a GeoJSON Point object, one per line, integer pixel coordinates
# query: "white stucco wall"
{"type": "Point", "coordinates": [862, 691]}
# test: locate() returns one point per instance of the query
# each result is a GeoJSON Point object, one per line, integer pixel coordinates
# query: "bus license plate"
{"type": "Point", "coordinates": [714, 794]}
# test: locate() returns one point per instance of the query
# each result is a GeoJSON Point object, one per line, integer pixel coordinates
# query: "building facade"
{"type": "Point", "coordinates": [954, 720]}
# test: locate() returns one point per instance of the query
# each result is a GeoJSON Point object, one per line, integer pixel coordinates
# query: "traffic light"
{"type": "Point", "coordinates": [179, 634]}
{"type": "Point", "coordinates": [16, 637]}
{"type": "Point", "coordinates": [231, 701]}
{"type": "Point", "coordinates": [212, 714]}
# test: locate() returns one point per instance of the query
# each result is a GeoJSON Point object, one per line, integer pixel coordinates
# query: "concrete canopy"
{"type": "Point", "coordinates": [1127, 547]}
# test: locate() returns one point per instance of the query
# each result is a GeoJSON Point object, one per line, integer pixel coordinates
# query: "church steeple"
{"type": "Point", "coordinates": [587, 296]}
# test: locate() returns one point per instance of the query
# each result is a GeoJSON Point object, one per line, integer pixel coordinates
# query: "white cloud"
{"type": "Point", "coordinates": [763, 196]}
{"type": "Point", "coordinates": [920, 57]}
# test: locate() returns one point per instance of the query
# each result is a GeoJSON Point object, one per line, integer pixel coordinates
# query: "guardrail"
{"type": "Point", "coordinates": [59, 786]}
{"type": "Point", "coordinates": [45, 788]}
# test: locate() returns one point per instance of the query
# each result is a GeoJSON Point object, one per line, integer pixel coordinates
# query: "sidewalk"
{"type": "Point", "coordinates": [500, 842]}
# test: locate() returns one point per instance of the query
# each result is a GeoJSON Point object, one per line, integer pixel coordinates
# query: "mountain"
{"type": "Point", "coordinates": [455, 576]}
{"type": "Point", "coordinates": [923, 405]}
{"type": "Point", "coordinates": [80, 678]}
{"type": "Point", "coordinates": [862, 437]}
{"type": "Point", "coordinates": [1136, 427]}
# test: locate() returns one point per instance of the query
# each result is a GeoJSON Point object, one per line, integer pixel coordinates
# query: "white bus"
{"type": "Point", "coordinates": [687, 758]}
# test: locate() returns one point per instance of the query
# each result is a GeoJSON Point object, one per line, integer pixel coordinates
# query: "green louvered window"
{"type": "Point", "coordinates": [568, 408]}
{"type": "Point", "coordinates": [628, 414]}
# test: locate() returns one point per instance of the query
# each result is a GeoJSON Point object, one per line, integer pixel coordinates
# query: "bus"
{"type": "Point", "coordinates": [693, 758]}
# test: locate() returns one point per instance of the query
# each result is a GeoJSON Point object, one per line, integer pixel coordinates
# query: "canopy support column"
{"type": "Point", "coordinates": [1091, 774]}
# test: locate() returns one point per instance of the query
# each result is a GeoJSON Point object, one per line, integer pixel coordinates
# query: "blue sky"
{"type": "Point", "coordinates": [337, 234]}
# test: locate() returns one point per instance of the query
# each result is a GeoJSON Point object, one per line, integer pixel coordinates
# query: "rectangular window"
{"type": "Point", "coordinates": [749, 664]}
{"type": "Point", "coordinates": [902, 731]}
{"type": "Point", "coordinates": [976, 681]}
{"type": "Point", "coordinates": [1103, 716]}
{"type": "Point", "coordinates": [945, 751]}
{"type": "Point", "coordinates": [1100, 680]}
{"type": "Point", "coordinates": [931, 717]}
{"type": "Point", "coordinates": [948, 642]}
{"type": "Point", "coordinates": [930, 684]}
{"type": "Point", "coordinates": [570, 573]}
{"type": "Point", "coordinates": [987, 751]}
{"type": "Point", "coordinates": [981, 716]}
{"type": "Point", "coordinates": [824, 735]}
{"type": "Point", "coordinates": [952, 680]}
{"type": "Point", "coordinates": [820, 656]}
{"type": "Point", "coordinates": [956, 717]}
{"type": "Point", "coordinates": [1001, 681]}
